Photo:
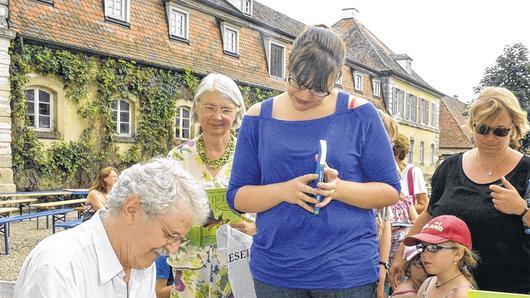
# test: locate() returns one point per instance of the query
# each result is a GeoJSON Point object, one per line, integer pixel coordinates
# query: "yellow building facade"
{"type": "Point", "coordinates": [416, 110]}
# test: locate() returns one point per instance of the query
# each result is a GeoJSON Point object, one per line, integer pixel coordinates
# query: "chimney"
{"type": "Point", "coordinates": [350, 13]}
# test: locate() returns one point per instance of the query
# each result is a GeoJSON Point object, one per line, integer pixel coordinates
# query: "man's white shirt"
{"type": "Point", "coordinates": [80, 262]}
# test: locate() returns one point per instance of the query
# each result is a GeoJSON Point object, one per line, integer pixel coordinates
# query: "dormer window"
{"type": "Point", "coordinates": [404, 61]}
{"type": "Point", "coordinates": [247, 7]}
{"type": "Point", "coordinates": [117, 10]}
{"type": "Point", "coordinates": [178, 22]}
{"type": "Point", "coordinates": [230, 39]}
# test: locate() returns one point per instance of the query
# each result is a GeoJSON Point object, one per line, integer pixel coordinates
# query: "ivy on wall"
{"type": "Point", "coordinates": [73, 164]}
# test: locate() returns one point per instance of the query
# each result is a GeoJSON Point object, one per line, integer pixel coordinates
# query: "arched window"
{"type": "Point", "coordinates": [182, 130]}
{"type": "Point", "coordinates": [121, 114]}
{"type": "Point", "coordinates": [422, 153]}
{"type": "Point", "coordinates": [39, 106]}
{"type": "Point", "coordinates": [433, 160]}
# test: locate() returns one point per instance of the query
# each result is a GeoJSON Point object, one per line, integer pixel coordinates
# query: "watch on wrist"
{"type": "Point", "coordinates": [384, 264]}
{"type": "Point", "coordinates": [524, 212]}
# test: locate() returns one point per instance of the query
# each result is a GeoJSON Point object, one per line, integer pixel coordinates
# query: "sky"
{"type": "Point", "coordinates": [451, 42]}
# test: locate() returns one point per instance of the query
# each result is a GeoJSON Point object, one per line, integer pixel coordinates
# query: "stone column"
{"type": "Point", "coordinates": [6, 35]}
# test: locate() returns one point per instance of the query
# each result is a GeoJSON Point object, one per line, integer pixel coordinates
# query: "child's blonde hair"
{"type": "Point", "coordinates": [468, 262]}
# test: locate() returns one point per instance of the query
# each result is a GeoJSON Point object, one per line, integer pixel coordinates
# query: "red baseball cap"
{"type": "Point", "coordinates": [441, 229]}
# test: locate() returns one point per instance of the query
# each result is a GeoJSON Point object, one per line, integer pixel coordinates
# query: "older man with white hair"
{"type": "Point", "coordinates": [151, 209]}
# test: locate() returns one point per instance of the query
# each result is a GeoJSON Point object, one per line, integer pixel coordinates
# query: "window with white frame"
{"type": "Point", "coordinates": [407, 106]}
{"type": "Point", "coordinates": [433, 115]}
{"type": "Point", "coordinates": [230, 39]}
{"type": "Point", "coordinates": [377, 87]}
{"type": "Point", "coordinates": [121, 115]}
{"type": "Point", "coordinates": [117, 10]}
{"type": "Point", "coordinates": [422, 153]}
{"type": "Point", "coordinates": [426, 111]}
{"type": "Point", "coordinates": [247, 7]}
{"type": "Point", "coordinates": [276, 60]}
{"type": "Point", "coordinates": [401, 102]}
{"type": "Point", "coordinates": [432, 155]}
{"type": "Point", "coordinates": [183, 123]}
{"type": "Point", "coordinates": [413, 108]}
{"type": "Point", "coordinates": [410, 157]}
{"type": "Point", "coordinates": [421, 113]}
{"type": "Point", "coordinates": [358, 80]}
{"type": "Point", "coordinates": [39, 107]}
{"type": "Point", "coordinates": [394, 109]}
{"type": "Point", "coordinates": [178, 22]}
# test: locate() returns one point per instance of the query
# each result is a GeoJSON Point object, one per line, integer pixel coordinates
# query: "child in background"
{"type": "Point", "coordinates": [445, 245]}
{"type": "Point", "coordinates": [414, 272]}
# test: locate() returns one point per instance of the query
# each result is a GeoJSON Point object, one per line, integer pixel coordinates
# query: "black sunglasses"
{"type": "Point", "coordinates": [497, 131]}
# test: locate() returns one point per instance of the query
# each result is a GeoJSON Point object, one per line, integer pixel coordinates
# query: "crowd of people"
{"type": "Point", "coordinates": [378, 233]}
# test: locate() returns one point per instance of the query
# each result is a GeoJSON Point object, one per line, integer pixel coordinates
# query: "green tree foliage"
{"type": "Point", "coordinates": [512, 71]}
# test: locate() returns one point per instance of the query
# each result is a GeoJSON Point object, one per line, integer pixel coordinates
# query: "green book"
{"type": "Point", "coordinates": [219, 215]}
{"type": "Point", "coordinates": [488, 294]}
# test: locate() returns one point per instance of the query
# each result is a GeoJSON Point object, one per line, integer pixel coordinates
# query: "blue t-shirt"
{"type": "Point", "coordinates": [163, 270]}
{"type": "Point", "coordinates": [293, 248]}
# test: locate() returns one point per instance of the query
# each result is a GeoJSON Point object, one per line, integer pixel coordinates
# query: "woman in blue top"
{"type": "Point", "coordinates": [296, 253]}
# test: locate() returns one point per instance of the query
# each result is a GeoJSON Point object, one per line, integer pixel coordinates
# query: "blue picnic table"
{"type": "Point", "coordinates": [58, 215]}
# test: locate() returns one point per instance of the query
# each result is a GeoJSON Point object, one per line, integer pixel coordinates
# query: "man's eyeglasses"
{"type": "Point", "coordinates": [211, 110]}
{"type": "Point", "coordinates": [433, 247]}
{"type": "Point", "coordinates": [174, 239]}
{"type": "Point", "coordinates": [497, 131]}
{"type": "Point", "coordinates": [313, 92]}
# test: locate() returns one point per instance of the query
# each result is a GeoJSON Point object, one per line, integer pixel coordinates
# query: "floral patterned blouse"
{"type": "Point", "coordinates": [212, 279]}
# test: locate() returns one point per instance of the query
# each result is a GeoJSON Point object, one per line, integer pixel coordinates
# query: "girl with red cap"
{"type": "Point", "coordinates": [445, 245]}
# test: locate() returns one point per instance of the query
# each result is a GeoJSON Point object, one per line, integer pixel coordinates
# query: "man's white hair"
{"type": "Point", "coordinates": [160, 184]}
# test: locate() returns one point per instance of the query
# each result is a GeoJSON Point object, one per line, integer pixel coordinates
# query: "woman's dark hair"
{"type": "Point", "coordinates": [99, 183]}
{"type": "Point", "coordinates": [317, 56]}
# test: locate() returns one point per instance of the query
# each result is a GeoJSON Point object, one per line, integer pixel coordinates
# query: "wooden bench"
{"type": "Point", "coordinates": [68, 224]}
{"type": "Point", "coordinates": [20, 202]}
{"type": "Point", "coordinates": [58, 215]}
{"type": "Point", "coordinates": [52, 205]}
{"type": "Point", "coordinates": [7, 210]}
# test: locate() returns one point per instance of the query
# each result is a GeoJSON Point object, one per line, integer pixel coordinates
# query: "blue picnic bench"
{"type": "Point", "coordinates": [58, 216]}
{"type": "Point", "coordinates": [68, 224]}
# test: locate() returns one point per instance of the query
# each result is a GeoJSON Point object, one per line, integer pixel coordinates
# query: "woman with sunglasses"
{"type": "Point", "coordinates": [485, 187]}
{"type": "Point", "coordinates": [445, 246]}
{"type": "Point", "coordinates": [295, 252]}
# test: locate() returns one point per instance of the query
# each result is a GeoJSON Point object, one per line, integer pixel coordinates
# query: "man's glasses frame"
{"type": "Point", "coordinates": [433, 247]}
{"type": "Point", "coordinates": [173, 238]}
{"type": "Point", "coordinates": [484, 130]}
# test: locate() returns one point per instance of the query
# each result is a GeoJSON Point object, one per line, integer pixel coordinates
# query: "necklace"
{"type": "Point", "coordinates": [216, 163]}
{"type": "Point", "coordinates": [489, 171]}
{"type": "Point", "coordinates": [450, 280]}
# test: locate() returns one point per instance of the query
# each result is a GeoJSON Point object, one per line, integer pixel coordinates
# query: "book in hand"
{"type": "Point", "coordinates": [220, 214]}
{"type": "Point", "coordinates": [319, 169]}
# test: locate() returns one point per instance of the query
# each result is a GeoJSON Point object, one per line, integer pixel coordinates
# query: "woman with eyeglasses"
{"type": "Point", "coordinates": [485, 187]}
{"type": "Point", "coordinates": [295, 252]}
{"type": "Point", "coordinates": [218, 108]}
